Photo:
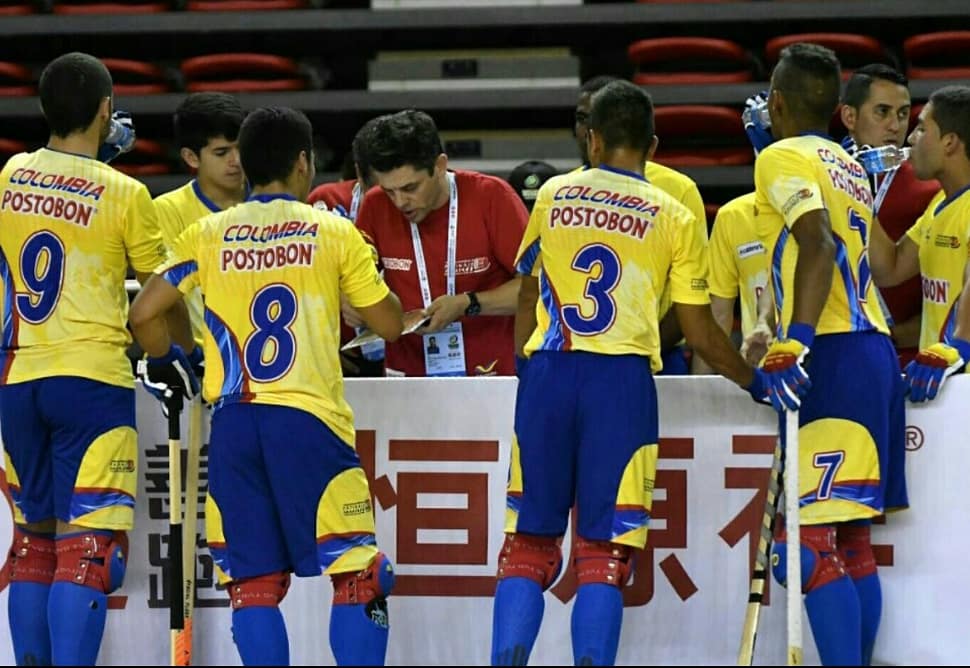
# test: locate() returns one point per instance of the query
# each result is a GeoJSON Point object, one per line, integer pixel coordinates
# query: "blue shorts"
{"type": "Point", "coordinates": [852, 430]}
{"type": "Point", "coordinates": [585, 433]}
{"type": "Point", "coordinates": [285, 494]}
{"type": "Point", "coordinates": [72, 451]}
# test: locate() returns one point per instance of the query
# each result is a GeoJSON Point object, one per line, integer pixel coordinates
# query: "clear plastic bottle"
{"type": "Point", "coordinates": [757, 115]}
{"type": "Point", "coordinates": [882, 158]}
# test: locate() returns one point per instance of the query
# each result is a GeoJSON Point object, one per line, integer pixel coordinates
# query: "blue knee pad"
{"type": "Point", "coordinates": [820, 559]}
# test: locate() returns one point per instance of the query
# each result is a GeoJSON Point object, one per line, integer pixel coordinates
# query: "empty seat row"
{"type": "Point", "coordinates": [18, 8]}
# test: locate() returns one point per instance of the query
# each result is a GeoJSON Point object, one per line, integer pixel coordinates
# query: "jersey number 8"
{"type": "Point", "coordinates": [271, 348]}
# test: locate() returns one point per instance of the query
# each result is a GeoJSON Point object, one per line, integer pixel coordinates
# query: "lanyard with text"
{"type": "Point", "coordinates": [452, 246]}
{"type": "Point", "coordinates": [355, 201]}
{"type": "Point", "coordinates": [882, 187]}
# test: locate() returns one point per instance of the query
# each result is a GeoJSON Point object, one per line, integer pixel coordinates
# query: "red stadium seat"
{"type": "Point", "coordinates": [242, 72]}
{"type": "Point", "coordinates": [135, 77]}
{"type": "Point", "coordinates": [134, 7]}
{"type": "Point", "coordinates": [852, 49]}
{"type": "Point", "coordinates": [938, 55]}
{"type": "Point", "coordinates": [15, 8]}
{"type": "Point", "coordinates": [10, 147]}
{"type": "Point", "coordinates": [243, 5]}
{"type": "Point", "coordinates": [690, 60]}
{"type": "Point", "coordinates": [701, 135]}
{"type": "Point", "coordinates": [146, 158]}
{"type": "Point", "coordinates": [16, 80]}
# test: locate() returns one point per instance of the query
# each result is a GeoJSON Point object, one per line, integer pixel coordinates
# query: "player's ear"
{"type": "Point", "coordinates": [849, 115]}
{"type": "Point", "coordinates": [653, 147]}
{"type": "Point", "coordinates": [189, 157]}
{"type": "Point", "coordinates": [441, 163]}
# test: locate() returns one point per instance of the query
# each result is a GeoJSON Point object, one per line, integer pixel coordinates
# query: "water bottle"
{"type": "Point", "coordinates": [882, 158]}
{"type": "Point", "coordinates": [757, 115]}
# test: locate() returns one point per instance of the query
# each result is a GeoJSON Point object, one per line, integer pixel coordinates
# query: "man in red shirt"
{"type": "Point", "coordinates": [447, 242]}
{"type": "Point", "coordinates": [876, 111]}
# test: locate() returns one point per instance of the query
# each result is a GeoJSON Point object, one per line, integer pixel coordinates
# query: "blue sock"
{"type": "Point", "coordinates": [870, 602]}
{"type": "Point", "coordinates": [260, 636]}
{"type": "Point", "coordinates": [835, 616]}
{"type": "Point", "coordinates": [597, 617]}
{"type": "Point", "coordinates": [76, 615]}
{"type": "Point", "coordinates": [358, 633]}
{"type": "Point", "coordinates": [27, 612]}
{"type": "Point", "coordinates": [516, 617]}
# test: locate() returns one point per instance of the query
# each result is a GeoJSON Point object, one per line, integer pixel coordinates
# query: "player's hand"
{"type": "Point", "coordinates": [927, 372]}
{"type": "Point", "coordinates": [443, 311]}
{"type": "Point", "coordinates": [755, 344]}
{"type": "Point", "coordinates": [168, 375]}
{"type": "Point", "coordinates": [786, 379]}
{"type": "Point", "coordinates": [120, 139]}
{"type": "Point", "coordinates": [754, 115]}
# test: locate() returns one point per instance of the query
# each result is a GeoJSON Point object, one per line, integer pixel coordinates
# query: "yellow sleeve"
{"type": "Point", "coordinates": [528, 260]}
{"type": "Point", "coordinates": [359, 279]}
{"type": "Point", "coordinates": [169, 221]}
{"type": "Point", "coordinates": [688, 262]}
{"type": "Point", "coordinates": [723, 276]}
{"type": "Point", "coordinates": [787, 181]}
{"type": "Point", "coordinates": [691, 198]}
{"type": "Point", "coordinates": [143, 242]}
{"type": "Point", "coordinates": [181, 267]}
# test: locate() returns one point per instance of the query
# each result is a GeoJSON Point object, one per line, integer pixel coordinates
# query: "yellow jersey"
{"type": "Point", "coordinates": [69, 227]}
{"type": "Point", "coordinates": [272, 271]}
{"type": "Point", "coordinates": [797, 175]}
{"type": "Point", "coordinates": [943, 236]}
{"type": "Point", "coordinates": [604, 243]}
{"type": "Point", "coordinates": [738, 259]}
{"type": "Point", "coordinates": [177, 210]}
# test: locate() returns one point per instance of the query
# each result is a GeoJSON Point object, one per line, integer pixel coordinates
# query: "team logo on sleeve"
{"type": "Point", "coordinates": [750, 248]}
{"type": "Point", "coordinates": [793, 201]}
{"type": "Point", "coordinates": [946, 241]}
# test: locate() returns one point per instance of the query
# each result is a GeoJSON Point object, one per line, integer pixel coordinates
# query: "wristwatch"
{"type": "Point", "coordinates": [474, 307]}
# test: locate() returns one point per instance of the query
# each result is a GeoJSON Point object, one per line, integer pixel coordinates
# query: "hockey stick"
{"type": "Point", "coordinates": [176, 616]}
{"type": "Point", "coordinates": [183, 639]}
{"type": "Point", "coordinates": [793, 573]}
{"type": "Point", "coordinates": [759, 576]}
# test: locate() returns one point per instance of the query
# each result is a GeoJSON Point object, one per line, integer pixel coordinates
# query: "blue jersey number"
{"type": "Point", "coordinates": [829, 462]}
{"type": "Point", "coordinates": [42, 267]}
{"type": "Point", "coordinates": [858, 223]}
{"type": "Point", "coordinates": [273, 311]}
{"type": "Point", "coordinates": [599, 285]}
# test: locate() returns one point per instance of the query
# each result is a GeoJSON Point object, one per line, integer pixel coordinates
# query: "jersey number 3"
{"type": "Point", "coordinates": [271, 348]}
{"type": "Point", "coordinates": [600, 263]}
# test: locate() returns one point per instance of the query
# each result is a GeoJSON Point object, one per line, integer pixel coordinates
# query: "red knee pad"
{"type": "Point", "coordinates": [362, 587]}
{"type": "Point", "coordinates": [855, 548]}
{"type": "Point", "coordinates": [821, 541]}
{"type": "Point", "coordinates": [603, 562]}
{"type": "Point", "coordinates": [33, 558]}
{"type": "Point", "coordinates": [538, 558]}
{"type": "Point", "coordinates": [263, 591]}
{"type": "Point", "coordinates": [93, 560]}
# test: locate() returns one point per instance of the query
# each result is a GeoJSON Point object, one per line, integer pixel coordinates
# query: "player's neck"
{"type": "Point", "coordinates": [78, 143]}
{"type": "Point", "coordinates": [444, 192]}
{"type": "Point", "coordinates": [626, 159]}
{"type": "Point", "coordinates": [277, 188]}
{"type": "Point", "coordinates": [222, 197]}
{"type": "Point", "coordinates": [955, 179]}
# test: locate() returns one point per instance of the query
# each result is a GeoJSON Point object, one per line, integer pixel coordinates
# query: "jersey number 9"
{"type": "Point", "coordinates": [42, 269]}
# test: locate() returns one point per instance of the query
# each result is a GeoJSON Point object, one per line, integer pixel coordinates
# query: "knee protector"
{"type": "Point", "coordinates": [820, 559]}
{"type": "Point", "coordinates": [855, 549]}
{"type": "Point", "coordinates": [96, 559]}
{"type": "Point", "coordinates": [602, 562]}
{"type": "Point", "coordinates": [262, 591]}
{"type": "Point", "coordinates": [538, 558]}
{"type": "Point", "coordinates": [374, 582]}
{"type": "Point", "coordinates": [33, 557]}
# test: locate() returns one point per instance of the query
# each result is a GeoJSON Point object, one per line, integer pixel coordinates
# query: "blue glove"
{"type": "Point", "coordinates": [757, 123]}
{"type": "Point", "coordinates": [120, 139]}
{"type": "Point", "coordinates": [167, 375]}
{"type": "Point", "coordinates": [932, 366]}
{"type": "Point", "coordinates": [197, 361]}
{"type": "Point", "coordinates": [786, 380]}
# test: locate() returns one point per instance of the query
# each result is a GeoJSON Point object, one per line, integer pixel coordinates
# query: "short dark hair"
{"type": "Point", "coordinates": [204, 116]}
{"type": "Point", "coordinates": [859, 83]}
{"type": "Point", "coordinates": [622, 114]}
{"type": "Point", "coordinates": [360, 148]}
{"type": "Point", "coordinates": [596, 83]}
{"type": "Point", "coordinates": [951, 112]}
{"type": "Point", "coordinates": [270, 141]}
{"type": "Point", "coordinates": [810, 77]}
{"type": "Point", "coordinates": [71, 89]}
{"type": "Point", "coordinates": [409, 137]}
